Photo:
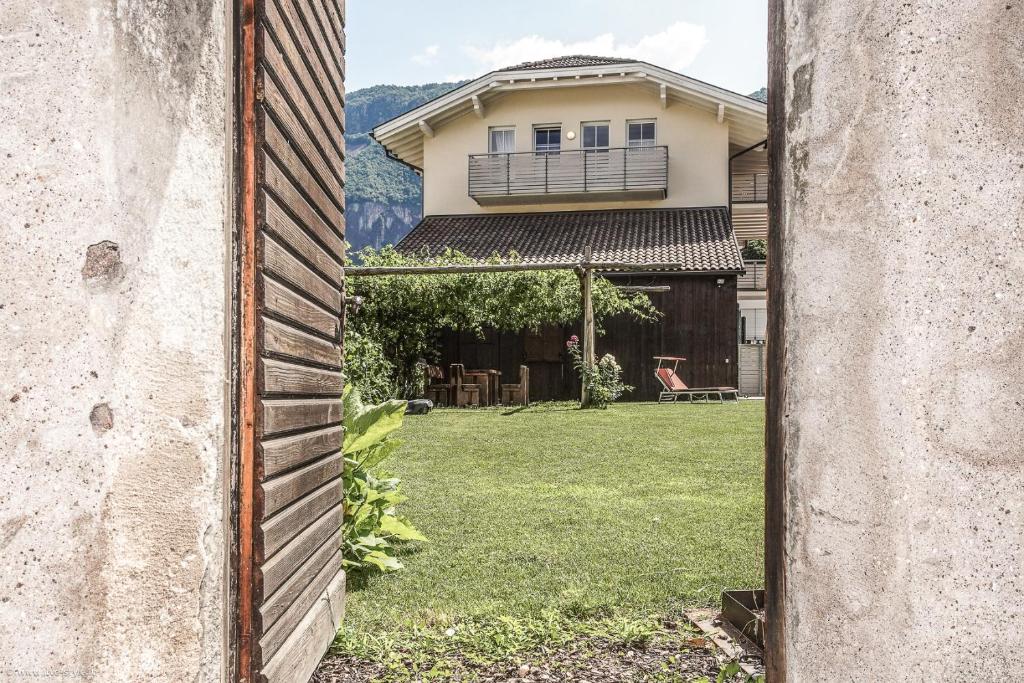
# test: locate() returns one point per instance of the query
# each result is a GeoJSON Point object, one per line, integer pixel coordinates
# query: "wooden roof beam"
{"type": "Point", "coordinates": [478, 106]}
{"type": "Point", "coordinates": [426, 129]}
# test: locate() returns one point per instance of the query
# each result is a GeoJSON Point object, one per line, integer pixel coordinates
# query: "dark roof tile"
{"type": "Point", "coordinates": [567, 62]}
{"type": "Point", "coordinates": [693, 239]}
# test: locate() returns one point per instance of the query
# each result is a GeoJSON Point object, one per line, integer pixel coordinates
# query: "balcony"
{"type": "Point", "coordinates": [749, 188]}
{"type": "Point", "coordinates": [756, 277]}
{"type": "Point", "coordinates": [573, 175]}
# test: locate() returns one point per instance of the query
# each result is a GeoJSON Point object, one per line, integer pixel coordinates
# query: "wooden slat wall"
{"type": "Point", "coordinates": [299, 584]}
{"type": "Point", "coordinates": [750, 222]}
{"type": "Point", "coordinates": [699, 323]}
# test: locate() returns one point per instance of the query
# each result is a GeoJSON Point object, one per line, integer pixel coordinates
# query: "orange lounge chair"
{"type": "Point", "coordinates": [675, 388]}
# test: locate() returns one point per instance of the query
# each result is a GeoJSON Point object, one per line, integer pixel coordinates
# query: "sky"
{"type": "Point", "coordinates": [407, 42]}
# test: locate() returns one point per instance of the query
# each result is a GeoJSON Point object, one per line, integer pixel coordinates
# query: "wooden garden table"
{"type": "Point", "coordinates": [490, 385]}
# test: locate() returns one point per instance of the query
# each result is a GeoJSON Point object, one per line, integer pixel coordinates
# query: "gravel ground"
{"type": "Point", "coordinates": [583, 661]}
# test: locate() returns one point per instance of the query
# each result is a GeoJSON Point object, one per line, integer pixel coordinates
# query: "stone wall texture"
{"type": "Point", "coordinates": [114, 318]}
{"type": "Point", "coordinates": [902, 203]}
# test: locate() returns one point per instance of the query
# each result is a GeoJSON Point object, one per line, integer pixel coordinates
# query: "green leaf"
{"type": "Point", "coordinates": [370, 426]}
{"type": "Point", "coordinates": [405, 532]}
{"type": "Point", "coordinates": [383, 562]}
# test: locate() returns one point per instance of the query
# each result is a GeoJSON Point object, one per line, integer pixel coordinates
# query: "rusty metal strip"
{"type": "Point", "coordinates": [247, 337]}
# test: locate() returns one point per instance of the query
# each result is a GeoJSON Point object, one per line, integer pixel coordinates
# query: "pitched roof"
{"type": "Point", "coordinates": [567, 62]}
{"type": "Point", "coordinates": [690, 239]}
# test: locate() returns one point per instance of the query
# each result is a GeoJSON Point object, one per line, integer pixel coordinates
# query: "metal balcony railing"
{"type": "Point", "coordinates": [749, 188]}
{"type": "Point", "coordinates": [756, 277]}
{"type": "Point", "coordinates": [500, 178]}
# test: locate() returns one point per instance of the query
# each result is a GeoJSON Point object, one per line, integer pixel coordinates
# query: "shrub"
{"type": "Point", "coordinates": [372, 526]}
{"type": "Point", "coordinates": [367, 367]}
{"type": "Point", "coordinates": [603, 381]}
{"type": "Point", "coordinates": [756, 250]}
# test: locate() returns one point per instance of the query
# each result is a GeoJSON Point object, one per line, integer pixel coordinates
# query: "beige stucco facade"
{"type": "Point", "coordinates": [698, 145]}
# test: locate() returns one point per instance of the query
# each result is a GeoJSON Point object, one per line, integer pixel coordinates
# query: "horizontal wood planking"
{"type": "Point", "coordinates": [322, 194]}
{"type": "Point", "coordinates": [328, 165]}
{"type": "Point", "coordinates": [298, 657]}
{"type": "Point", "coordinates": [281, 55]}
{"type": "Point", "coordinates": [283, 490]}
{"type": "Point", "coordinates": [282, 339]}
{"type": "Point", "coordinates": [275, 636]}
{"type": "Point", "coordinates": [288, 452]}
{"type": "Point", "coordinates": [300, 121]}
{"type": "Point", "coordinates": [334, 53]}
{"type": "Point", "coordinates": [274, 606]}
{"type": "Point", "coordinates": [305, 213]}
{"type": "Point", "coordinates": [329, 74]}
{"type": "Point", "coordinates": [325, 260]}
{"type": "Point", "coordinates": [285, 267]}
{"type": "Point", "coordinates": [280, 377]}
{"type": "Point", "coordinates": [286, 524]}
{"type": "Point", "coordinates": [282, 301]}
{"type": "Point", "coordinates": [278, 568]}
{"type": "Point", "coordinates": [334, 13]}
{"type": "Point", "coordinates": [282, 18]}
{"type": "Point", "coordinates": [294, 414]}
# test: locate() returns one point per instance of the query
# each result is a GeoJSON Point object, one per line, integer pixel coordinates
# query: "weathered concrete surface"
{"type": "Point", "coordinates": [113, 303]}
{"type": "Point", "coordinates": [904, 404]}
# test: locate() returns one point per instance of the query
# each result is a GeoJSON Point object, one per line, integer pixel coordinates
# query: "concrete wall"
{"type": "Point", "coordinates": [114, 318]}
{"type": "Point", "coordinates": [903, 180]}
{"type": "Point", "coordinates": [698, 145]}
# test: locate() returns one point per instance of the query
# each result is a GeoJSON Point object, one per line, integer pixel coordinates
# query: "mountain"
{"type": "Point", "coordinates": [382, 196]}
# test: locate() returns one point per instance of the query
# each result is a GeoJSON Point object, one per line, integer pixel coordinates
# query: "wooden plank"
{"type": "Point", "coordinates": [329, 169]}
{"type": "Point", "coordinates": [286, 524]}
{"type": "Point", "coordinates": [282, 301]}
{"type": "Point", "coordinates": [274, 637]}
{"type": "Point", "coordinates": [282, 565]}
{"type": "Point", "coordinates": [306, 35]}
{"type": "Point", "coordinates": [333, 52]}
{"type": "Point", "coordinates": [306, 100]}
{"type": "Point", "coordinates": [286, 340]}
{"type": "Point", "coordinates": [293, 414]}
{"type": "Point", "coordinates": [287, 22]}
{"type": "Point", "coordinates": [287, 488]}
{"type": "Point", "coordinates": [323, 189]}
{"type": "Point", "coordinates": [280, 377]}
{"type": "Point", "coordinates": [298, 657]}
{"type": "Point", "coordinates": [326, 261]}
{"type": "Point", "coordinates": [776, 437]}
{"type": "Point", "coordinates": [308, 216]}
{"type": "Point", "coordinates": [281, 53]}
{"type": "Point", "coordinates": [287, 268]}
{"type": "Point", "coordinates": [287, 452]}
{"type": "Point", "coordinates": [274, 606]}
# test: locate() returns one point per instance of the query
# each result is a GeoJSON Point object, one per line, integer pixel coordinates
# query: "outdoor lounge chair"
{"type": "Point", "coordinates": [463, 394]}
{"type": "Point", "coordinates": [674, 388]}
{"type": "Point", "coordinates": [517, 393]}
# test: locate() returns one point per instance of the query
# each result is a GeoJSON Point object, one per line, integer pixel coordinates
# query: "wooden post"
{"type": "Point", "coordinates": [587, 286]}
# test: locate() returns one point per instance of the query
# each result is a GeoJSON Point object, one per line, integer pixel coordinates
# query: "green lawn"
{"type": "Point", "coordinates": [633, 511]}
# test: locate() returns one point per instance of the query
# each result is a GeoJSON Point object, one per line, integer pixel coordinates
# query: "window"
{"type": "Point", "coordinates": [501, 140]}
{"type": "Point", "coordinates": [753, 321]}
{"type": "Point", "coordinates": [641, 134]}
{"type": "Point", "coordinates": [595, 135]}
{"type": "Point", "coordinates": [547, 139]}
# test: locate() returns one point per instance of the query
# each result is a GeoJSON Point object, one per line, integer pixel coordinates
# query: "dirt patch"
{"type": "Point", "coordinates": [586, 660]}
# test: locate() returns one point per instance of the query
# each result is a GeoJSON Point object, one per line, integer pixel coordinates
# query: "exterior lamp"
{"type": "Point", "coordinates": [571, 135]}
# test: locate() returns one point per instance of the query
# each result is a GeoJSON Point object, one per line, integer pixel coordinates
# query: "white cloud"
{"type": "Point", "coordinates": [674, 48]}
{"type": "Point", "coordinates": [428, 57]}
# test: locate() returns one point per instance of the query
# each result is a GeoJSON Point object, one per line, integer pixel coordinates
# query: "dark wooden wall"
{"type": "Point", "coordinates": [699, 323]}
{"type": "Point", "coordinates": [298, 584]}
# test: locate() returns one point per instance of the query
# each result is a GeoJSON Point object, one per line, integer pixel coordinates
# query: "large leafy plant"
{"type": "Point", "coordinates": [372, 526]}
{"type": "Point", "coordinates": [603, 379]}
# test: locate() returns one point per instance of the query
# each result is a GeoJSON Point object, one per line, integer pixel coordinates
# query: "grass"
{"type": "Point", "coordinates": [549, 522]}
